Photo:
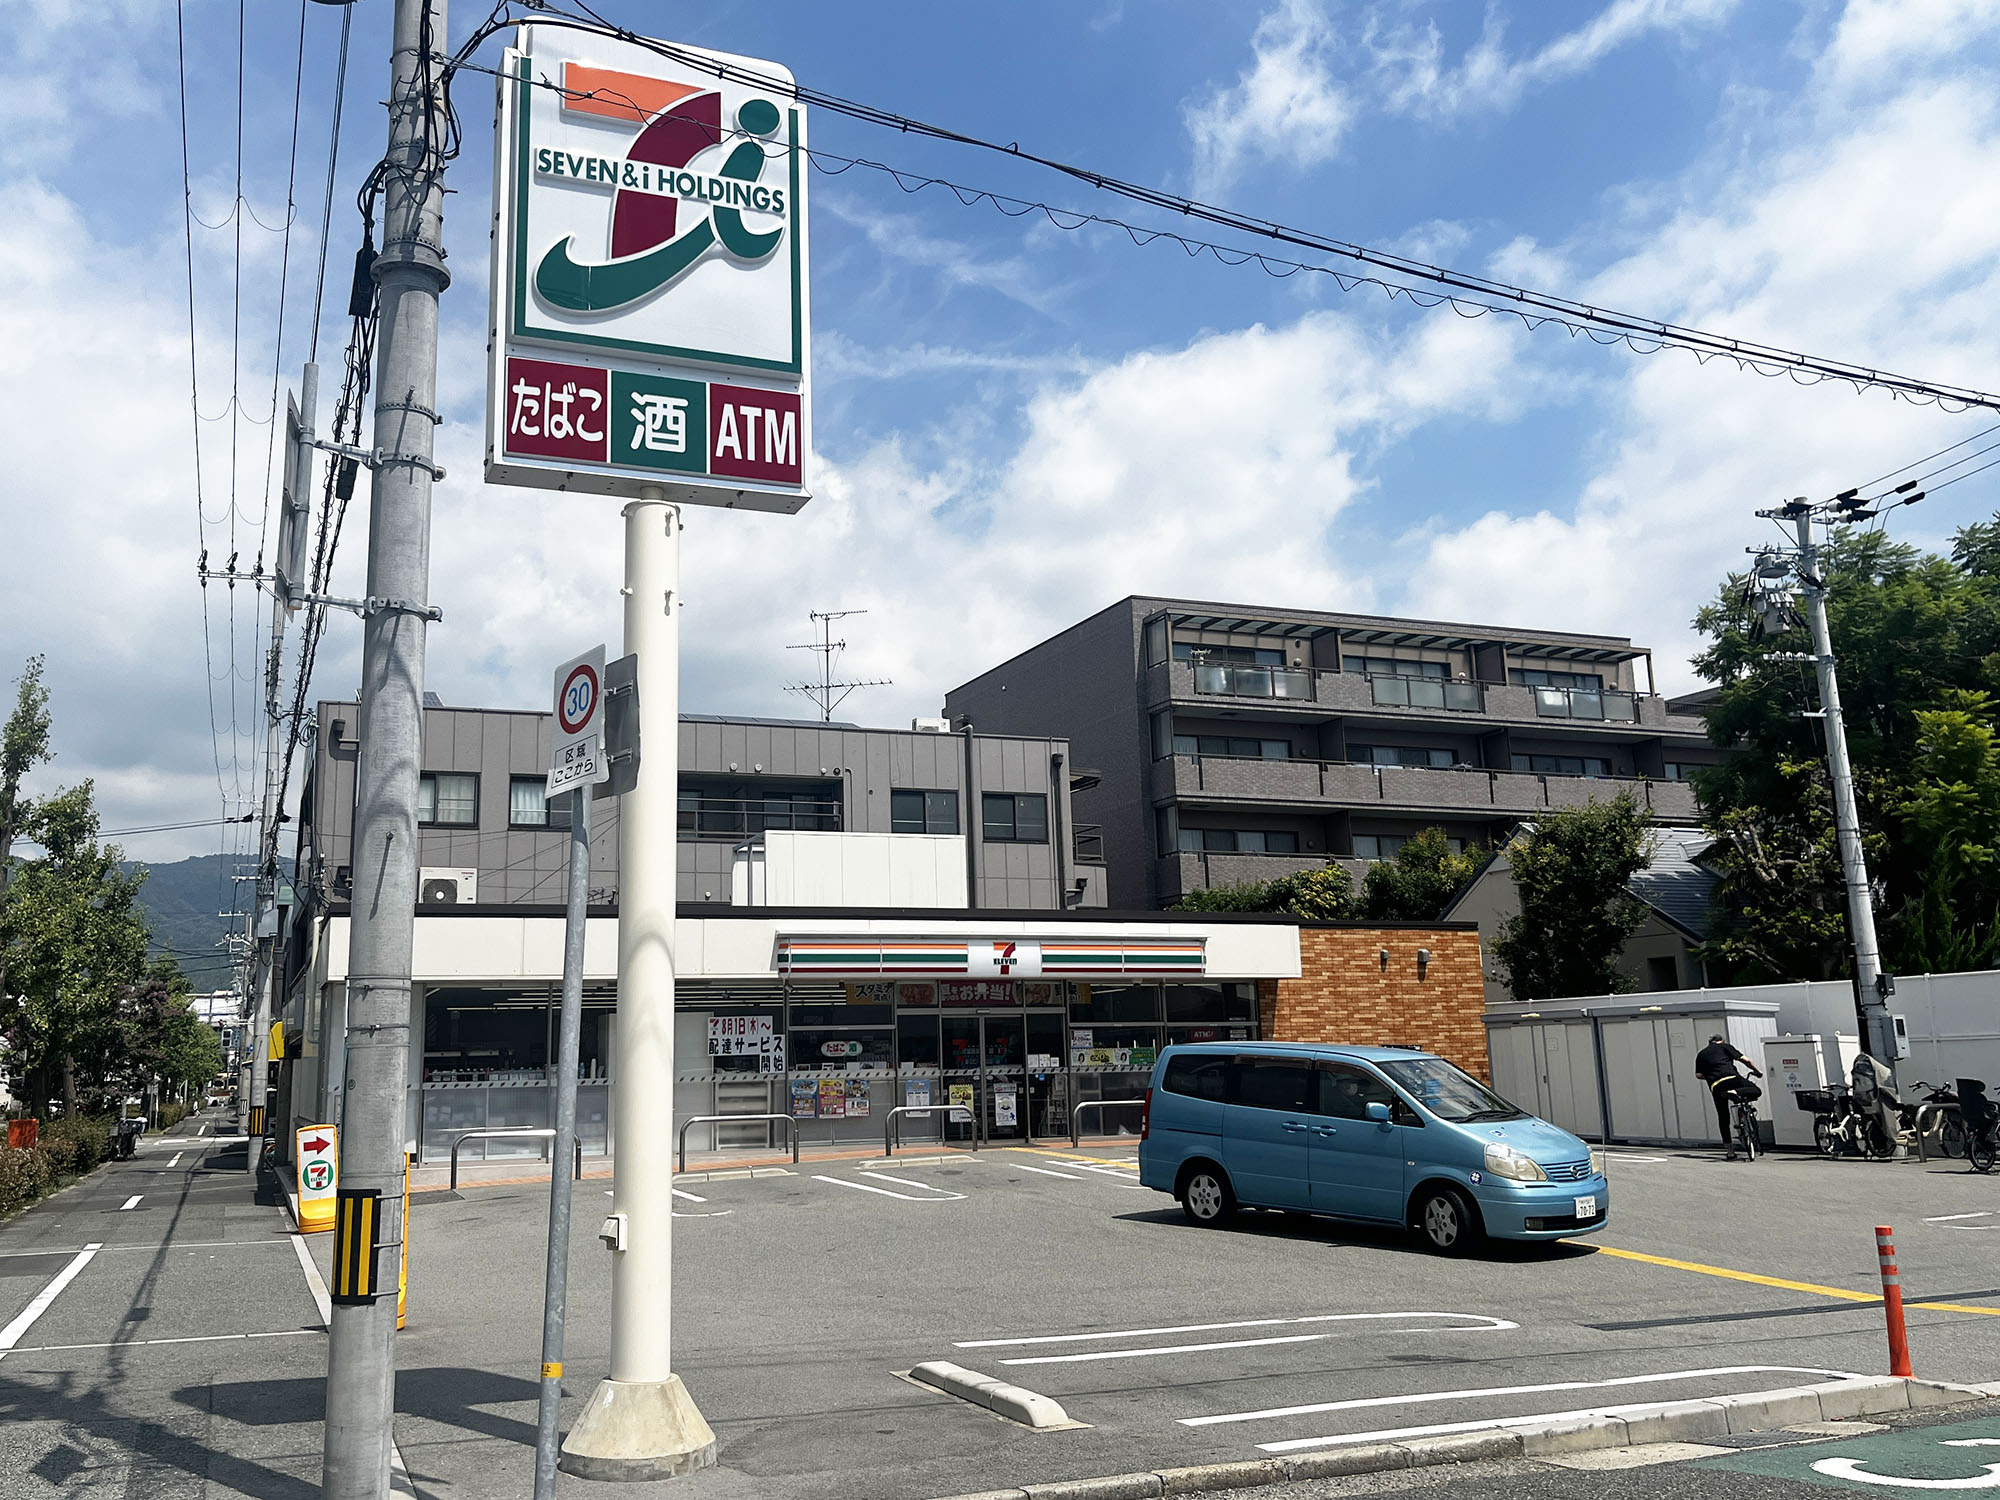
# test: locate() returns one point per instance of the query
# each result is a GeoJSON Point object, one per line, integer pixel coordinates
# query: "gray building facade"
{"type": "Point", "coordinates": [488, 838]}
{"type": "Point", "coordinates": [1236, 743]}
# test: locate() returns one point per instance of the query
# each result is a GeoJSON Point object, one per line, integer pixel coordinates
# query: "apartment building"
{"type": "Point", "coordinates": [1234, 743]}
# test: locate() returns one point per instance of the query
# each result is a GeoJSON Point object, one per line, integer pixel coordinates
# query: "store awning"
{"type": "Point", "coordinates": [991, 958]}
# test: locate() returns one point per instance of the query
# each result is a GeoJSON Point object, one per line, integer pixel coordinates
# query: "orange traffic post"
{"type": "Point", "coordinates": [403, 1270]}
{"type": "Point", "coordinates": [1892, 1301]}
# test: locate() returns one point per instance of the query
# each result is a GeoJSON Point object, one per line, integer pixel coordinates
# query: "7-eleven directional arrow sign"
{"type": "Point", "coordinates": [318, 1157]}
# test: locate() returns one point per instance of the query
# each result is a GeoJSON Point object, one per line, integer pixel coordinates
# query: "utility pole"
{"type": "Point", "coordinates": [295, 485]}
{"type": "Point", "coordinates": [1871, 985]}
{"type": "Point", "coordinates": [826, 694]}
{"type": "Point", "coordinates": [409, 275]}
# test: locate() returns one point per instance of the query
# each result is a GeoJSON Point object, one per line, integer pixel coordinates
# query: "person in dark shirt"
{"type": "Point", "coordinates": [1715, 1065]}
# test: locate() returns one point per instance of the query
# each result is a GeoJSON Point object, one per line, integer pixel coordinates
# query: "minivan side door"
{"type": "Point", "coordinates": [1266, 1132]}
{"type": "Point", "coordinates": [1357, 1163]}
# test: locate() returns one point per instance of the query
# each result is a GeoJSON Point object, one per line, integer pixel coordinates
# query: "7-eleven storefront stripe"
{"type": "Point", "coordinates": [843, 958]}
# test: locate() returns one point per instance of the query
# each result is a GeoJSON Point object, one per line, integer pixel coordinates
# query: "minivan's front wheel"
{"type": "Point", "coordinates": [1206, 1197]}
{"type": "Point", "coordinates": [1448, 1221]}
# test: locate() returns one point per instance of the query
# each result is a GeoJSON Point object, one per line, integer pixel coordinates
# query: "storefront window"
{"type": "Point", "coordinates": [839, 1050]}
{"type": "Point", "coordinates": [917, 1040]}
{"type": "Point", "coordinates": [1115, 1002]}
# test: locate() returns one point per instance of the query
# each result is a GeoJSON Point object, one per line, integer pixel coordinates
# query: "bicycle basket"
{"type": "Point", "coordinates": [1815, 1101]}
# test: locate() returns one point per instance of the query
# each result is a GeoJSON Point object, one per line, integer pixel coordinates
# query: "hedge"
{"type": "Point", "coordinates": [67, 1148]}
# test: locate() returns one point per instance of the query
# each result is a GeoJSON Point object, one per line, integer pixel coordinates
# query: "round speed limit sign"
{"type": "Point", "coordinates": [577, 701]}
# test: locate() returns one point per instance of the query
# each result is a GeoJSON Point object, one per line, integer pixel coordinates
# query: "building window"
{"type": "Point", "coordinates": [1165, 837]}
{"type": "Point", "coordinates": [1682, 770]}
{"type": "Point", "coordinates": [1393, 666]}
{"type": "Point", "coordinates": [721, 809]}
{"type": "Point", "coordinates": [528, 804]}
{"type": "Point", "coordinates": [923, 812]}
{"type": "Point", "coordinates": [1230, 656]}
{"type": "Point", "coordinates": [1538, 677]}
{"type": "Point", "coordinates": [1156, 641]}
{"type": "Point", "coordinates": [1238, 841]}
{"type": "Point", "coordinates": [1223, 744]}
{"type": "Point", "coordinates": [448, 799]}
{"type": "Point", "coordinates": [1014, 817]}
{"type": "Point", "coordinates": [1385, 845]}
{"type": "Point", "coordinates": [1401, 755]}
{"type": "Point", "coordinates": [1165, 741]}
{"type": "Point", "coordinates": [1662, 973]}
{"type": "Point", "coordinates": [1563, 765]}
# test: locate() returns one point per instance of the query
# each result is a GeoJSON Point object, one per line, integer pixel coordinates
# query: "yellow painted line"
{"type": "Point", "coordinates": [1843, 1293]}
{"type": "Point", "coordinates": [1102, 1161]}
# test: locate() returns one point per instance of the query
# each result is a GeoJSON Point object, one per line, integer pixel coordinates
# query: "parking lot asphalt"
{"type": "Point", "coordinates": [806, 1293]}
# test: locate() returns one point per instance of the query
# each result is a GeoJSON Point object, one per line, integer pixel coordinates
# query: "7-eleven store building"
{"type": "Point", "coordinates": [831, 1019]}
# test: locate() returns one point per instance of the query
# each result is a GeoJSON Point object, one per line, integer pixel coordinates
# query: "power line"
{"type": "Point", "coordinates": [1467, 294]}
{"type": "Point", "coordinates": [332, 163]}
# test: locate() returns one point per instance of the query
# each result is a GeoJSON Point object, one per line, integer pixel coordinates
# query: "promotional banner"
{"type": "Point", "coordinates": [649, 278]}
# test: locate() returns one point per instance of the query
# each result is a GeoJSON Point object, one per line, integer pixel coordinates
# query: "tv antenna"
{"type": "Point", "coordinates": [826, 694]}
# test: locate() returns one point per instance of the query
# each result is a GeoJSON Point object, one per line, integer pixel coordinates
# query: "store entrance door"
{"type": "Point", "coordinates": [985, 1057]}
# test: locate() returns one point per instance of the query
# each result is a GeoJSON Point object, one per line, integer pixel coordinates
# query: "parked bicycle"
{"type": "Point", "coordinates": [1842, 1127]}
{"type": "Point", "coordinates": [1981, 1119]}
{"type": "Point", "coordinates": [1944, 1131]}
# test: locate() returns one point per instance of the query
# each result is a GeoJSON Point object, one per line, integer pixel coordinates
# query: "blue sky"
{"type": "Point", "coordinates": [1015, 424]}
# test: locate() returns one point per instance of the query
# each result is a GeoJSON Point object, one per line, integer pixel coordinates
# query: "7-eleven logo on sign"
{"type": "Point", "coordinates": [1004, 959]}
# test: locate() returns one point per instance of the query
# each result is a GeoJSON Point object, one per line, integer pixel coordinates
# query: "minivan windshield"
{"type": "Point", "coordinates": [1448, 1092]}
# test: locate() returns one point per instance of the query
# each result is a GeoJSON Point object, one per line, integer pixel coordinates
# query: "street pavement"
{"type": "Point", "coordinates": [806, 1293]}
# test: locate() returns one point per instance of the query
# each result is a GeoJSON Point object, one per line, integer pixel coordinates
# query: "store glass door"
{"type": "Point", "coordinates": [985, 1072]}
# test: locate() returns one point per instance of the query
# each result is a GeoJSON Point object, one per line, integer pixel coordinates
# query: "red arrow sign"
{"type": "Point", "coordinates": [317, 1143]}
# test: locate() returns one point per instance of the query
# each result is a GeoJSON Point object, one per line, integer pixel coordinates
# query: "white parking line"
{"type": "Point", "coordinates": [131, 1202]}
{"type": "Point", "coordinates": [25, 1319]}
{"type": "Point", "coordinates": [1021, 1166]}
{"type": "Point", "coordinates": [1489, 1325]}
{"type": "Point", "coordinates": [691, 1197]}
{"type": "Point", "coordinates": [1424, 1398]}
{"type": "Point", "coordinates": [862, 1187]}
{"type": "Point", "coordinates": [912, 1182]}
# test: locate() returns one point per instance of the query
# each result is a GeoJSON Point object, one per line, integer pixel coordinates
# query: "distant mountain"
{"type": "Point", "coordinates": [182, 900]}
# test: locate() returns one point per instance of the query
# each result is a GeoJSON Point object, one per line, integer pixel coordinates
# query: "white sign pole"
{"type": "Point", "coordinates": [641, 1423]}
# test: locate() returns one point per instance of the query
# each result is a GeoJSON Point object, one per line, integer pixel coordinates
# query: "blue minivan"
{"type": "Point", "coordinates": [1388, 1134]}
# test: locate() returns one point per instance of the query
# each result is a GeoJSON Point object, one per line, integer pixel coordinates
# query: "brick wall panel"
{"type": "Point", "coordinates": [1346, 993]}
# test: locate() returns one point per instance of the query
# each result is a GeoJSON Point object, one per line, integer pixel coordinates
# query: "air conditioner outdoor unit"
{"type": "Point", "coordinates": [441, 887]}
{"type": "Point", "coordinates": [931, 726]}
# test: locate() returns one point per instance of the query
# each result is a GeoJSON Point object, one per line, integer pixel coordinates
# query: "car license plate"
{"type": "Point", "coordinates": [1586, 1208]}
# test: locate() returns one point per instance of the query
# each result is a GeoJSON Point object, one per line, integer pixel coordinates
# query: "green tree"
{"type": "Point", "coordinates": [1420, 881]}
{"type": "Point", "coordinates": [1571, 869]}
{"type": "Point", "coordinates": [24, 744]}
{"type": "Point", "coordinates": [1325, 894]}
{"type": "Point", "coordinates": [1917, 636]}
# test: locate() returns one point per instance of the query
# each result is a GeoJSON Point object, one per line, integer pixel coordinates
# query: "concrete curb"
{"type": "Point", "coordinates": [1009, 1401]}
{"type": "Point", "coordinates": [1614, 1427]}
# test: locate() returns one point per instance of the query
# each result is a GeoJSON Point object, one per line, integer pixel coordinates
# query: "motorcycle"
{"type": "Point", "coordinates": [128, 1137]}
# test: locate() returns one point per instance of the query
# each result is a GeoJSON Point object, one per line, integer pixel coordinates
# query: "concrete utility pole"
{"type": "Point", "coordinates": [1878, 1034]}
{"type": "Point", "coordinates": [641, 1423]}
{"type": "Point", "coordinates": [296, 484]}
{"type": "Point", "coordinates": [409, 275]}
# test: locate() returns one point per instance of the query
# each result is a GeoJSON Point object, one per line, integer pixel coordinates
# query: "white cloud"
{"type": "Point", "coordinates": [1801, 250]}
{"type": "Point", "coordinates": [45, 78]}
{"type": "Point", "coordinates": [1284, 107]}
{"type": "Point", "coordinates": [1413, 77]}
{"type": "Point", "coordinates": [1875, 37]}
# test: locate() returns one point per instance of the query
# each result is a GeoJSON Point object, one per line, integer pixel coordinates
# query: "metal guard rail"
{"type": "Point", "coordinates": [892, 1135]}
{"type": "Point", "coordinates": [526, 1132]}
{"type": "Point", "coordinates": [790, 1123]}
{"type": "Point", "coordinates": [1923, 1129]}
{"type": "Point", "coordinates": [1076, 1115]}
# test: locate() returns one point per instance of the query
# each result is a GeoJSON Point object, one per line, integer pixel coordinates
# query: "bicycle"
{"type": "Point", "coordinates": [1841, 1126]}
{"type": "Point", "coordinates": [1743, 1119]}
{"type": "Point", "coordinates": [1981, 1119]}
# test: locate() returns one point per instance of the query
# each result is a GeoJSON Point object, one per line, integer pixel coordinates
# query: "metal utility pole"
{"type": "Point", "coordinates": [641, 1423]}
{"type": "Point", "coordinates": [409, 275]}
{"type": "Point", "coordinates": [826, 694]}
{"type": "Point", "coordinates": [555, 1287]}
{"type": "Point", "coordinates": [1871, 985]}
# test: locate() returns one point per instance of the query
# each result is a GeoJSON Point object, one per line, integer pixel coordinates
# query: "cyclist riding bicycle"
{"type": "Point", "coordinates": [1715, 1065]}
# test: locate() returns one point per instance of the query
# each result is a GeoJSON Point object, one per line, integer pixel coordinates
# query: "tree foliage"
{"type": "Point", "coordinates": [84, 1014]}
{"type": "Point", "coordinates": [1916, 637]}
{"type": "Point", "coordinates": [1415, 885]}
{"type": "Point", "coordinates": [1571, 871]}
{"type": "Point", "coordinates": [1322, 895]}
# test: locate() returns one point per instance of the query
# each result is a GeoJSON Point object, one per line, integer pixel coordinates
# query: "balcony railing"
{"type": "Point", "coordinates": [741, 817]}
{"type": "Point", "coordinates": [1253, 682]}
{"type": "Point", "coordinates": [1090, 843]}
{"type": "Point", "coordinates": [1587, 703]}
{"type": "Point", "coordinates": [1456, 789]}
{"type": "Point", "coordinates": [1425, 692]}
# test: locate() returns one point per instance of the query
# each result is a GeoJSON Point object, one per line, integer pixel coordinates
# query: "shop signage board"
{"type": "Point", "coordinates": [318, 1156]}
{"type": "Point", "coordinates": [576, 752]}
{"type": "Point", "coordinates": [747, 1036]}
{"type": "Point", "coordinates": [649, 283]}
{"type": "Point", "coordinates": [982, 959]}
{"type": "Point", "coordinates": [1004, 1106]}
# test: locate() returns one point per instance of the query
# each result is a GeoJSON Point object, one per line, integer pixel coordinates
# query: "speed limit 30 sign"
{"type": "Point", "coordinates": [577, 755]}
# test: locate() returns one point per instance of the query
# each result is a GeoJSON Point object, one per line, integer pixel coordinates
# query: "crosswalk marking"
{"type": "Point", "coordinates": [131, 1202]}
